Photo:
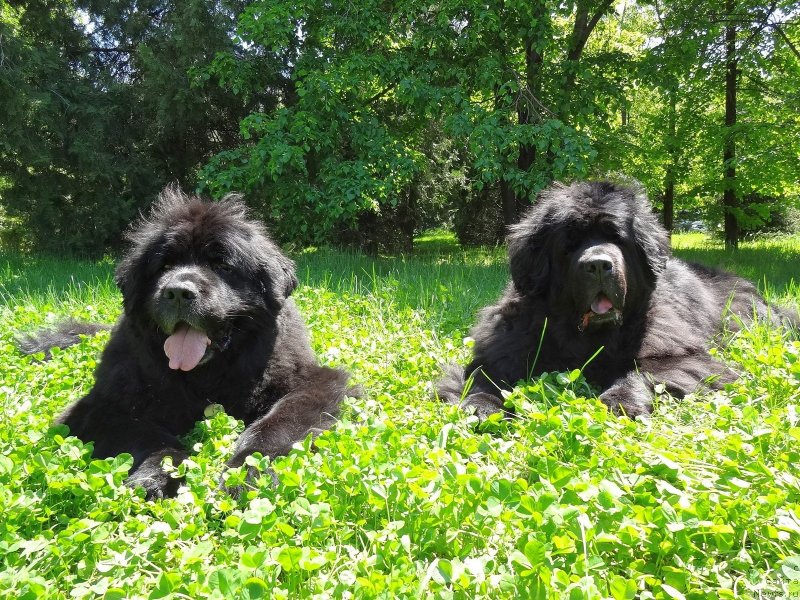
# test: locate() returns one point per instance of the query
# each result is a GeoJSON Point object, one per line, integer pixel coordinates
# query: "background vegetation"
{"type": "Point", "coordinates": [362, 123]}
{"type": "Point", "coordinates": [406, 497]}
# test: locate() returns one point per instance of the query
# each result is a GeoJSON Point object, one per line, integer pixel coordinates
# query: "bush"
{"type": "Point", "coordinates": [478, 218]}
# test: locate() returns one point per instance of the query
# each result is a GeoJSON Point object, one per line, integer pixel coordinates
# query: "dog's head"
{"type": "Point", "coordinates": [593, 251]}
{"type": "Point", "coordinates": [198, 273]}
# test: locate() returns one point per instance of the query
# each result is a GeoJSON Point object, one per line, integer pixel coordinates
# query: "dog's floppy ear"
{"type": "Point", "coordinates": [123, 274]}
{"type": "Point", "coordinates": [274, 270]}
{"type": "Point", "coordinates": [529, 254]}
{"type": "Point", "coordinates": [651, 239]}
{"type": "Point", "coordinates": [145, 237]}
{"type": "Point", "coordinates": [288, 281]}
{"type": "Point", "coordinates": [278, 278]}
{"type": "Point", "coordinates": [130, 272]}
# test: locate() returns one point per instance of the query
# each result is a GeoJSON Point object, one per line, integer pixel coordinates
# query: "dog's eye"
{"type": "Point", "coordinates": [224, 267]}
{"type": "Point", "coordinates": [166, 267]}
{"type": "Point", "coordinates": [611, 233]}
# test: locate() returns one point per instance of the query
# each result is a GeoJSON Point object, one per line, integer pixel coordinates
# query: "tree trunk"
{"type": "Point", "coordinates": [585, 23]}
{"type": "Point", "coordinates": [729, 201]}
{"type": "Point", "coordinates": [538, 38]}
{"type": "Point", "coordinates": [407, 218]}
{"type": "Point", "coordinates": [669, 204]}
{"type": "Point", "coordinates": [526, 112]}
{"type": "Point", "coordinates": [672, 154]}
{"type": "Point", "coordinates": [509, 198]}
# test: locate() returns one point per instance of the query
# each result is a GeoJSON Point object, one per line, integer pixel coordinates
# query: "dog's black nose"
{"type": "Point", "coordinates": [181, 292]}
{"type": "Point", "coordinates": [598, 265]}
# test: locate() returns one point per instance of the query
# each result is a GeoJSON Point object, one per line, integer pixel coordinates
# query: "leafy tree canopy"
{"type": "Point", "coordinates": [363, 123]}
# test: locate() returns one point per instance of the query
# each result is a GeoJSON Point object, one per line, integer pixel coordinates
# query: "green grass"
{"type": "Point", "coordinates": [406, 497]}
{"type": "Point", "coordinates": [773, 263]}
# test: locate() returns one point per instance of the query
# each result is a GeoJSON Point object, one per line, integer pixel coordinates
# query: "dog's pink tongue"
{"type": "Point", "coordinates": [186, 347]}
{"type": "Point", "coordinates": [601, 305]}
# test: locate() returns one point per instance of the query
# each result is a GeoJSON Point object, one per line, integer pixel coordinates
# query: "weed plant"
{"type": "Point", "coordinates": [408, 497]}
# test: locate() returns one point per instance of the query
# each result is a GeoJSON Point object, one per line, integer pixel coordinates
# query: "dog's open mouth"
{"type": "Point", "coordinates": [187, 347]}
{"type": "Point", "coordinates": [602, 310]}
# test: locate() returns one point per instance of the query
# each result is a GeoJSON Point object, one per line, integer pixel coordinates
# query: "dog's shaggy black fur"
{"type": "Point", "coordinates": [205, 278]}
{"type": "Point", "coordinates": [591, 268]}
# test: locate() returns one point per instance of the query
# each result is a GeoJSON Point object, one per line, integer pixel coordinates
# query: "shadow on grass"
{"type": "Point", "coordinates": [441, 278]}
{"type": "Point", "coordinates": [23, 276]}
{"type": "Point", "coordinates": [774, 267]}
{"type": "Point", "coordinates": [449, 290]}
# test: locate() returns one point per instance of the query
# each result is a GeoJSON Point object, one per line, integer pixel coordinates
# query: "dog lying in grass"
{"type": "Point", "coordinates": [594, 287]}
{"type": "Point", "coordinates": [207, 320]}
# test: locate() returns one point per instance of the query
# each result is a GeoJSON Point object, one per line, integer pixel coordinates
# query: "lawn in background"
{"type": "Point", "coordinates": [407, 497]}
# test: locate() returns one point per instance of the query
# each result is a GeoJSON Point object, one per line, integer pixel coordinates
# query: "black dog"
{"type": "Point", "coordinates": [591, 268]}
{"type": "Point", "coordinates": [207, 320]}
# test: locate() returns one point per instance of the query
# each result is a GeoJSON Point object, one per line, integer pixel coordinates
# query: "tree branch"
{"type": "Point", "coordinates": [786, 39]}
{"type": "Point", "coordinates": [118, 49]}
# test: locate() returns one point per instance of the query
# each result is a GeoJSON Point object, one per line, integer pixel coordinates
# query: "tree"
{"type": "Point", "coordinates": [101, 107]}
{"type": "Point", "coordinates": [511, 83]}
{"type": "Point", "coordinates": [57, 122]}
{"type": "Point", "coordinates": [362, 123]}
{"type": "Point", "coordinates": [733, 73]}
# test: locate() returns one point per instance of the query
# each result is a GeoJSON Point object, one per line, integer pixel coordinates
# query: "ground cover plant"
{"type": "Point", "coordinates": [406, 497]}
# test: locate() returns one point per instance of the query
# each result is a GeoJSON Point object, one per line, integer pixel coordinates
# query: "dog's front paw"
{"type": "Point", "coordinates": [485, 405]}
{"type": "Point", "coordinates": [152, 477]}
{"type": "Point", "coordinates": [630, 402]}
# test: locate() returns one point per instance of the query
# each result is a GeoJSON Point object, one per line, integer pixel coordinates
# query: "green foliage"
{"type": "Point", "coordinates": [99, 110]}
{"type": "Point", "coordinates": [363, 125]}
{"type": "Point", "coordinates": [407, 497]}
{"type": "Point", "coordinates": [333, 148]}
{"type": "Point", "coordinates": [673, 129]}
{"type": "Point", "coordinates": [374, 105]}
{"type": "Point", "coordinates": [58, 154]}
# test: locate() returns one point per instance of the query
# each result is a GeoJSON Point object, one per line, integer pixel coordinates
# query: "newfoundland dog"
{"type": "Point", "coordinates": [591, 271]}
{"type": "Point", "coordinates": [207, 320]}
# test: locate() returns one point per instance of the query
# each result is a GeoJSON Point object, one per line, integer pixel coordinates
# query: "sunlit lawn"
{"type": "Point", "coordinates": [406, 497]}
